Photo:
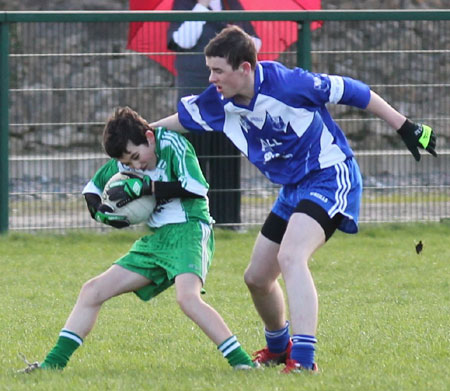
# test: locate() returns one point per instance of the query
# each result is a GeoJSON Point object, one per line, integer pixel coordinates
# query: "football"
{"type": "Point", "coordinates": [138, 210]}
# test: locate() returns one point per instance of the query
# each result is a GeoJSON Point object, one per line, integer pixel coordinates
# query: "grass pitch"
{"type": "Point", "coordinates": [384, 316]}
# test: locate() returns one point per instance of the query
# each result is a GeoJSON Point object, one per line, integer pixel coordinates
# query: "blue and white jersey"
{"type": "Point", "coordinates": [286, 130]}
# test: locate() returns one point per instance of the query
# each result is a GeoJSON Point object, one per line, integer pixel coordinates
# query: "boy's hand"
{"type": "Point", "coordinates": [104, 215]}
{"type": "Point", "coordinates": [127, 190]}
{"type": "Point", "coordinates": [418, 136]}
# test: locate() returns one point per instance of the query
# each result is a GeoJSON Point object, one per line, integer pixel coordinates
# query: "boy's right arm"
{"type": "Point", "coordinates": [171, 123]}
{"type": "Point", "coordinates": [92, 194]}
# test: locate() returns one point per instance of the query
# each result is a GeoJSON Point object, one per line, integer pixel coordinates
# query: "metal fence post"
{"type": "Point", "coordinates": [304, 45]}
{"type": "Point", "coordinates": [4, 124]}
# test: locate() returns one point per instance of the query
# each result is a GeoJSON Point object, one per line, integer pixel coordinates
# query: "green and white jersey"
{"type": "Point", "coordinates": [176, 161]}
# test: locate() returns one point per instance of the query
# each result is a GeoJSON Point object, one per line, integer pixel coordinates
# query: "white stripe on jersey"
{"type": "Point", "coordinates": [232, 129]}
{"type": "Point", "coordinates": [176, 142]}
{"type": "Point", "coordinates": [336, 88]}
{"type": "Point", "coordinates": [344, 186]}
{"type": "Point", "coordinates": [91, 188]}
{"type": "Point", "coordinates": [179, 146]}
{"type": "Point", "coordinates": [330, 153]}
{"type": "Point", "coordinates": [300, 119]}
{"type": "Point", "coordinates": [193, 110]}
{"type": "Point", "coordinates": [260, 71]}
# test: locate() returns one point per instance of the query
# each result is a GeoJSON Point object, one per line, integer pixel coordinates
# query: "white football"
{"type": "Point", "coordinates": [138, 210]}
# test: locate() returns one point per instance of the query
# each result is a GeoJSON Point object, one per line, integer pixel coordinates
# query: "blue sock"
{"type": "Point", "coordinates": [303, 350]}
{"type": "Point", "coordinates": [278, 340]}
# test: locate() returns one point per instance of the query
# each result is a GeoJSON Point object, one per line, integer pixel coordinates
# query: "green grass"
{"type": "Point", "coordinates": [384, 316]}
{"type": "Point", "coordinates": [51, 204]}
{"type": "Point", "coordinates": [423, 197]}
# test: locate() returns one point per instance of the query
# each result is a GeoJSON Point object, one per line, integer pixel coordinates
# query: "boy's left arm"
{"type": "Point", "coordinates": [344, 90]}
{"type": "Point", "coordinates": [413, 135]}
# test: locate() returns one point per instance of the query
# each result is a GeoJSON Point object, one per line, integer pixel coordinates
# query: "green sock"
{"type": "Point", "coordinates": [233, 352]}
{"type": "Point", "coordinates": [59, 356]}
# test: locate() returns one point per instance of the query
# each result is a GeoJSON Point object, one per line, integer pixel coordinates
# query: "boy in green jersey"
{"type": "Point", "coordinates": [178, 252]}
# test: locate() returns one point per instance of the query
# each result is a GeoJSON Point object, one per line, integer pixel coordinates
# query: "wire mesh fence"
{"type": "Point", "coordinates": [66, 79]}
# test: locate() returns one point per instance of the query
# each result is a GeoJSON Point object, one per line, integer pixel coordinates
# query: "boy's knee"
{"type": "Point", "coordinates": [256, 282]}
{"type": "Point", "coordinates": [249, 278]}
{"type": "Point", "coordinates": [91, 292]}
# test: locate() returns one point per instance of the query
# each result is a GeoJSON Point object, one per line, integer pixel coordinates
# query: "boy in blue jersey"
{"type": "Point", "coordinates": [278, 119]}
{"type": "Point", "coordinates": [180, 250]}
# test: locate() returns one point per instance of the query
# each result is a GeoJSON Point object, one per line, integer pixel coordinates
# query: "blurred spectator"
{"type": "Point", "coordinates": [189, 39]}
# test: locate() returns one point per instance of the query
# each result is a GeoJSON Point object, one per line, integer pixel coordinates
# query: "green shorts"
{"type": "Point", "coordinates": [171, 250]}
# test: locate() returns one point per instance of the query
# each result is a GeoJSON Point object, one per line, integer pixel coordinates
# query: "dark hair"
{"type": "Point", "coordinates": [233, 44]}
{"type": "Point", "coordinates": [123, 126]}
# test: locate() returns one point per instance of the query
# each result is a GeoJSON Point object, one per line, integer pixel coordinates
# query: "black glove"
{"type": "Point", "coordinates": [418, 136]}
{"type": "Point", "coordinates": [127, 190]}
{"type": "Point", "coordinates": [103, 213]}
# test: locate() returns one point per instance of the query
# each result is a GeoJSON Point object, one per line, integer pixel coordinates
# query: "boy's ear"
{"type": "Point", "coordinates": [245, 67]}
{"type": "Point", "coordinates": [150, 136]}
